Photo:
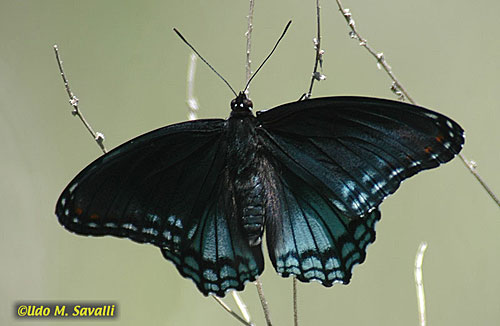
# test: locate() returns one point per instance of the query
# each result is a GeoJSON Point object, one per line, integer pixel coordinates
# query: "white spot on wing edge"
{"type": "Point", "coordinates": [73, 187]}
{"type": "Point", "coordinates": [129, 226]}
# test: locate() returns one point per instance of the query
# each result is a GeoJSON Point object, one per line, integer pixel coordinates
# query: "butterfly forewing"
{"type": "Point", "coordinates": [359, 148]}
{"type": "Point", "coordinates": [118, 193]}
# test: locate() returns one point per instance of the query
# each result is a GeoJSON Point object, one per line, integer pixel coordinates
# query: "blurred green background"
{"type": "Point", "coordinates": [129, 70]}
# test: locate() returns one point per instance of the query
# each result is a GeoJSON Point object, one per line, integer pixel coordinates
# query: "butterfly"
{"type": "Point", "coordinates": [311, 174]}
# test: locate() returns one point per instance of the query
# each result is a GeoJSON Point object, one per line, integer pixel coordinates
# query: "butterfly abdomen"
{"type": "Point", "coordinates": [247, 178]}
{"type": "Point", "coordinates": [250, 203]}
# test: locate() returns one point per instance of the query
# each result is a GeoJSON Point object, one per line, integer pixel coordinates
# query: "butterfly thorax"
{"type": "Point", "coordinates": [246, 177]}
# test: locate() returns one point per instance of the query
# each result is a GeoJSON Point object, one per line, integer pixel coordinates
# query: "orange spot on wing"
{"type": "Point", "coordinates": [94, 216]}
{"type": "Point", "coordinates": [440, 138]}
{"type": "Point", "coordinates": [428, 149]}
{"type": "Point", "coordinates": [78, 211]}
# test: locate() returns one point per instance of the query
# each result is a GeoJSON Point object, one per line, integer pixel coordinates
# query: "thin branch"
{"type": "Point", "coordinates": [319, 54]}
{"type": "Point", "coordinates": [472, 166]}
{"type": "Point", "coordinates": [192, 102]}
{"type": "Point", "coordinates": [242, 306]}
{"type": "Point", "coordinates": [419, 283]}
{"type": "Point", "coordinates": [231, 312]}
{"type": "Point", "coordinates": [401, 92]}
{"type": "Point", "coordinates": [295, 308]}
{"type": "Point", "coordinates": [248, 35]}
{"type": "Point", "coordinates": [379, 56]}
{"type": "Point", "coordinates": [73, 101]}
{"type": "Point", "coordinates": [248, 70]}
{"type": "Point", "coordinates": [263, 302]}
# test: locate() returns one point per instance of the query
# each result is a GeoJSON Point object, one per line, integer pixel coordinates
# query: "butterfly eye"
{"type": "Point", "coordinates": [248, 103]}
{"type": "Point", "coordinates": [233, 103]}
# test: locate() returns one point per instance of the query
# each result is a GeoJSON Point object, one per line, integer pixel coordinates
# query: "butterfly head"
{"type": "Point", "coordinates": [241, 105]}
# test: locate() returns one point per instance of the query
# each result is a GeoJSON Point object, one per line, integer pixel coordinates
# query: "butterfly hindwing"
{"type": "Point", "coordinates": [218, 257]}
{"type": "Point", "coordinates": [164, 188]}
{"type": "Point", "coordinates": [311, 238]}
{"type": "Point", "coordinates": [359, 148]}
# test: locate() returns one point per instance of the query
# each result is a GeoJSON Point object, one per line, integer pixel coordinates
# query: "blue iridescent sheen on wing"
{"type": "Point", "coordinates": [217, 256]}
{"type": "Point", "coordinates": [338, 158]}
{"type": "Point", "coordinates": [165, 188]}
{"type": "Point", "coordinates": [359, 148]}
{"type": "Point", "coordinates": [312, 239]}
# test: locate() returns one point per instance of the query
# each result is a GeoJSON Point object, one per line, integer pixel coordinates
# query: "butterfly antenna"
{"type": "Point", "coordinates": [203, 59]}
{"type": "Point", "coordinates": [269, 55]}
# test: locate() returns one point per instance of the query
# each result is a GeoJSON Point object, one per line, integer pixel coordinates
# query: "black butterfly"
{"type": "Point", "coordinates": [311, 174]}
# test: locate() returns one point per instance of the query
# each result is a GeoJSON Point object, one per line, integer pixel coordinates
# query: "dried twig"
{"type": "Point", "coordinates": [401, 92]}
{"type": "Point", "coordinates": [419, 283]}
{"type": "Point", "coordinates": [248, 35]}
{"type": "Point", "coordinates": [316, 75]}
{"type": "Point", "coordinates": [242, 306]}
{"type": "Point", "coordinates": [248, 69]}
{"type": "Point", "coordinates": [472, 166]}
{"type": "Point", "coordinates": [379, 56]}
{"type": "Point", "coordinates": [192, 102]}
{"type": "Point", "coordinates": [73, 100]}
{"type": "Point", "coordinates": [295, 308]}
{"type": "Point", "coordinates": [263, 302]}
{"type": "Point", "coordinates": [230, 311]}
